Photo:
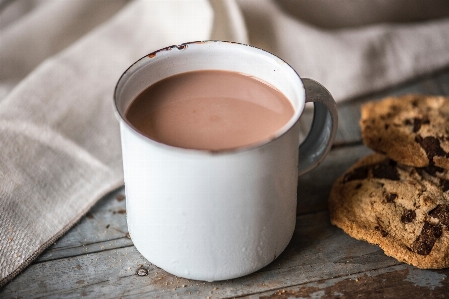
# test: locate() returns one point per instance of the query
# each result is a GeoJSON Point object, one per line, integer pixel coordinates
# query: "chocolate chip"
{"type": "Point", "coordinates": [418, 122]}
{"type": "Point", "coordinates": [387, 126]}
{"type": "Point", "coordinates": [386, 171]}
{"type": "Point", "coordinates": [432, 169]}
{"type": "Point", "coordinates": [382, 231]}
{"type": "Point", "coordinates": [431, 146]}
{"type": "Point", "coordinates": [416, 125]}
{"type": "Point", "coordinates": [444, 185]}
{"type": "Point", "coordinates": [393, 108]}
{"type": "Point", "coordinates": [408, 216]}
{"type": "Point", "coordinates": [407, 122]}
{"type": "Point", "coordinates": [358, 186]}
{"type": "Point", "coordinates": [390, 197]}
{"type": "Point", "coordinates": [358, 173]}
{"type": "Point", "coordinates": [430, 233]}
{"type": "Point", "coordinates": [441, 212]}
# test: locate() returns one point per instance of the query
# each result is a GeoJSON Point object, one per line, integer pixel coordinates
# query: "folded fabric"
{"type": "Point", "coordinates": [58, 134]}
{"type": "Point", "coordinates": [351, 61]}
{"type": "Point", "coordinates": [59, 63]}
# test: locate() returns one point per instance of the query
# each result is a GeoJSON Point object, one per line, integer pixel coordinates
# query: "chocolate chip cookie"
{"type": "Point", "coordinates": [412, 129]}
{"type": "Point", "coordinates": [403, 209]}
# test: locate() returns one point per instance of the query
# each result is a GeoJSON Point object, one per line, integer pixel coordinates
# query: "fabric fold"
{"type": "Point", "coordinates": [59, 137]}
{"type": "Point", "coordinates": [351, 61]}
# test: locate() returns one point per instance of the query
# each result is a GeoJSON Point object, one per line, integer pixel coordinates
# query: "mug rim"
{"type": "Point", "coordinates": [278, 134]}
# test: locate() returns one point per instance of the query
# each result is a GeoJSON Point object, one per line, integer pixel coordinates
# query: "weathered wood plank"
{"type": "Point", "coordinates": [89, 248]}
{"type": "Point", "coordinates": [104, 227]}
{"type": "Point", "coordinates": [314, 187]}
{"type": "Point", "coordinates": [443, 82]}
{"type": "Point", "coordinates": [401, 281]}
{"type": "Point", "coordinates": [317, 251]}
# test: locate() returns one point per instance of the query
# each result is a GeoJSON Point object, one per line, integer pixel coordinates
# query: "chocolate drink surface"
{"type": "Point", "coordinates": [210, 110]}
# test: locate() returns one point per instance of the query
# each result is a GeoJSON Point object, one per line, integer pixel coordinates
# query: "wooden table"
{"type": "Point", "coordinates": [97, 259]}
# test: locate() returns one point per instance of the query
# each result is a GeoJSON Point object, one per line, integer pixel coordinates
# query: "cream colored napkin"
{"type": "Point", "coordinates": [59, 139]}
{"type": "Point", "coordinates": [60, 60]}
{"type": "Point", "coordinates": [352, 61]}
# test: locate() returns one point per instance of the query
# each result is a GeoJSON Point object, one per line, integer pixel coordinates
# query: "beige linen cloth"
{"type": "Point", "coordinates": [60, 60]}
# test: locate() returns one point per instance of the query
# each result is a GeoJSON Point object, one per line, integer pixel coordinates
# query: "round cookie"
{"type": "Point", "coordinates": [412, 129]}
{"type": "Point", "coordinates": [404, 210]}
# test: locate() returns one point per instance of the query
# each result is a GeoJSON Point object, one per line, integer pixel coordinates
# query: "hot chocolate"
{"type": "Point", "coordinates": [210, 109]}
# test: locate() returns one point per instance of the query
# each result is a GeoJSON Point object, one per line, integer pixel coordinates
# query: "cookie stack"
{"type": "Point", "coordinates": [398, 197]}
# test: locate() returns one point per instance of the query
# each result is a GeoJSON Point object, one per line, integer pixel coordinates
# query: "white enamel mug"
{"type": "Point", "coordinates": [218, 215]}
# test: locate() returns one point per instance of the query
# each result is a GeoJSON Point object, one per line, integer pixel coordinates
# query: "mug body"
{"type": "Point", "coordinates": [210, 215]}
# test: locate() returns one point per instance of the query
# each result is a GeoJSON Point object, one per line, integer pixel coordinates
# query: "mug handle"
{"type": "Point", "coordinates": [319, 140]}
